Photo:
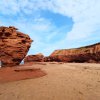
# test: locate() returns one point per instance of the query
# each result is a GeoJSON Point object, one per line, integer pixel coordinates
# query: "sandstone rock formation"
{"type": "Point", "coordinates": [84, 54]}
{"type": "Point", "coordinates": [14, 46]}
{"type": "Point", "coordinates": [34, 58]}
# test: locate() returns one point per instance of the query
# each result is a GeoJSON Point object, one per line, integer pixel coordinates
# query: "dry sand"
{"type": "Point", "coordinates": [70, 81]}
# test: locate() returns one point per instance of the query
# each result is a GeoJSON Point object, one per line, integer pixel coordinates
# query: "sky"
{"type": "Point", "coordinates": [54, 24]}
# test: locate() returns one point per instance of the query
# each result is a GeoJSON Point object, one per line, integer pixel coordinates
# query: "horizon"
{"type": "Point", "coordinates": [53, 24]}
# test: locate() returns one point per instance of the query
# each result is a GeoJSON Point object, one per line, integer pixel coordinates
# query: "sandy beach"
{"type": "Point", "coordinates": [64, 81]}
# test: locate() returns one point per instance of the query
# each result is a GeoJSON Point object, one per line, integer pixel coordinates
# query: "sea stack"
{"type": "Point", "coordinates": [14, 46]}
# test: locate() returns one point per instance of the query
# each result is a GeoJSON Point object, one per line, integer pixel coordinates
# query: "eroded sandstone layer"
{"type": "Point", "coordinates": [84, 54]}
{"type": "Point", "coordinates": [34, 58]}
{"type": "Point", "coordinates": [14, 46]}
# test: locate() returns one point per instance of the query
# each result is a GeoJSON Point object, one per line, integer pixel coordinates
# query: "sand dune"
{"type": "Point", "coordinates": [64, 81]}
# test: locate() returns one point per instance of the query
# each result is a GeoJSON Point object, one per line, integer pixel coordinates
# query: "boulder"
{"type": "Point", "coordinates": [34, 58]}
{"type": "Point", "coordinates": [14, 46]}
{"type": "Point", "coordinates": [83, 54]}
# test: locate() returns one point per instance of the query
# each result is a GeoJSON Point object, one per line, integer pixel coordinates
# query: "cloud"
{"type": "Point", "coordinates": [85, 15]}
{"type": "Point", "coordinates": [8, 7]}
{"type": "Point", "coordinates": [26, 15]}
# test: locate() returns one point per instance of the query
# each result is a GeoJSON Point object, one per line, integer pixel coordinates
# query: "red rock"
{"type": "Point", "coordinates": [84, 54]}
{"type": "Point", "coordinates": [14, 46]}
{"type": "Point", "coordinates": [34, 58]}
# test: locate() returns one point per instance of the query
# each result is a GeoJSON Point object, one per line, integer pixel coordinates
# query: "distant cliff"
{"type": "Point", "coordinates": [34, 58]}
{"type": "Point", "coordinates": [89, 53]}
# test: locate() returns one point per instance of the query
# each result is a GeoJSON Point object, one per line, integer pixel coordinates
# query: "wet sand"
{"type": "Point", "coordinates": [17, 73]}
{"type": "Point", "coordinates": [64, 81]}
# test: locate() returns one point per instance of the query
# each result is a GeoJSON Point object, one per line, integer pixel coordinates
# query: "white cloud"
{"type": "Point", "coordinates": [8, 7]}
{"type": "Point", "coordinates": [85, 14]}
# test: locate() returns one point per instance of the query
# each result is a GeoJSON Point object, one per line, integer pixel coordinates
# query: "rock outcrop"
{"type": "Point", "coordinates": [14, 46]}
{"type": "Point", "coordinates": [34, 58]}
{"type": "Point", "coordinates": [84, 54]}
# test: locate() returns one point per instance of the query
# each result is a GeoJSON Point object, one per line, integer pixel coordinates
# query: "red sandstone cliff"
{"type": "Point", "coordinates": [14, 46]}
{"type": "Point", "coordinates": [84, 54]}
{"type": "Point", "coordinates": [34, 58]}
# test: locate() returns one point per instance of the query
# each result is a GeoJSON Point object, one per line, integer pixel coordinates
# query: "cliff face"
{"type": "Point", "coordinates": [14, 45]}
{"type": "Point", "coordinates": [84, 54]}
{"type": "Point", "coordinates": [34, 58]}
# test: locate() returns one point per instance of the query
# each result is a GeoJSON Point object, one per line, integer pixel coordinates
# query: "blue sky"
{"type": "Point", "coordinates": [54, 24]}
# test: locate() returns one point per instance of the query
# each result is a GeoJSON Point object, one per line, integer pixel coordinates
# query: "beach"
{"type": "Point", "coordinates": [63, 81]}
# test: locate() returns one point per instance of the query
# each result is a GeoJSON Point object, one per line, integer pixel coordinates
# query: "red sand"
{"type": "Point", "coordinates": [10, 74]}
